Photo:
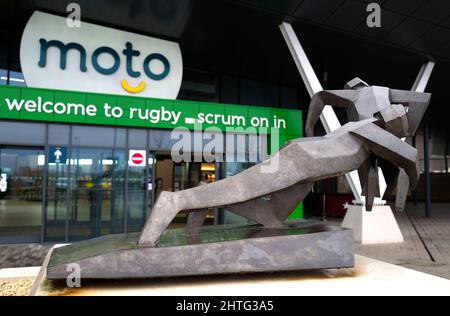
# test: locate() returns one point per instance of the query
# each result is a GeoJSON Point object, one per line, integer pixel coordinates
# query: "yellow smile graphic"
{"type": "Point", "coordinates": [131, 89]}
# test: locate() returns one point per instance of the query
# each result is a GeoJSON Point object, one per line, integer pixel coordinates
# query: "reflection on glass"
{"type": "Point", "coordinates": [57, 201]}
{"type": "Point", "coordinates": [15, 78]}
{"type": "Point", "coordinates": [189, 175]}
{"type": "Point", "coordinates": [181, 176]}
{"type": "Point", "coordinates": [138, 188]}
{"type": "Point", "coordinates": [232, 169]}
{"type": "Point", "coordinates": [97, 182]}
{"type": "Point", "coordinates": [3, 77]}
{"type": "Point", "coordinates": [21, 188]}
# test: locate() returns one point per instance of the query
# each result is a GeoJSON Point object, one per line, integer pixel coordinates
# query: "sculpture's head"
{"type": "Point", "coordinates": [395, 120]}
{"type": "Point", "coordinates": [355, 84]}
{"type": "Point", "coordinates": [402, 113]}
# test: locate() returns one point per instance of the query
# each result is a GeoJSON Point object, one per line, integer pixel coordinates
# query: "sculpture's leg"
{"type": "Point", "coordinates": [270, 210]}
{"type": "Point", "coordinates": [196, 219]}
{"type": "Point", "coordinates": [164, 211]}
{"type": "Point", "coordinates": [403, 184]}
{"type": "Point", "coordinates": [390, 172]}
{"type": "Point", "coordinates": [195, 222]}
{"type": "Point", "coordinates": [402, 191]}
{"type": "Point", "coordinates": [273, 209]}
{"type": "Point", "coordinates": [368, 173]}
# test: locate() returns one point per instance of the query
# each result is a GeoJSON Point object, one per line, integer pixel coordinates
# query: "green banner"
{"type": "Point", "coordinates": [102, 109]}
{"type": "Point", "coordinates": [31, 104]}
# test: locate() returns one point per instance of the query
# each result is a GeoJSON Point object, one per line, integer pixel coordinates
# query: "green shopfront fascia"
{"type": "Point", "coordinates": [94, 190]}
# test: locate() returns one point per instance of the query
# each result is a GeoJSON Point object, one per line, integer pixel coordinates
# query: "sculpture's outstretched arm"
{"type": "Point", "coordinates": [417, 104]}
{"type": "Point", "coordinates": [338, 98]}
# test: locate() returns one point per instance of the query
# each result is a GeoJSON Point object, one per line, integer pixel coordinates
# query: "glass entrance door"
{"type": "Point", "coordinates": [140, 194]}
{"type": "Point", "coordinates": [21, 189]}
{"type": "Point", "coordinates": [57, 202]}
{"type": "Point", "coordinates": [96, 206]}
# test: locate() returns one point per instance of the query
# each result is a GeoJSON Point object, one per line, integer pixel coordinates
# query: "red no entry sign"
{"type": "Point", "coordinates": [137, 158]}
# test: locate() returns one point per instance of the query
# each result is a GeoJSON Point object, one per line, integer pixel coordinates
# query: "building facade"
{"type": "Point", "coordinates": [80, 163]}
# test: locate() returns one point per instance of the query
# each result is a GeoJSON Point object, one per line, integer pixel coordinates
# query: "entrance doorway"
{"type": "Point", "coordinates": [173, 177]}
{"type": "Point", "coordinates": [21, 190]}
{"type": "Point", "coordinates": [97, 190]}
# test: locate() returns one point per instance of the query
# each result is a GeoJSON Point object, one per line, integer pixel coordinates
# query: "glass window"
{"type": "Point", "coordinates": [199, 85]}
{"type": "Point", "coordinates": [289, 98]}
{"type": "Point", "coordinates": [57, 202]}
{"type": "Point", "coordinates": [160, 140]}
{"type": "Point", "coordinates": [3, 77]}
{"type": "Point", "coordinates": [97, 192]}
{"type": "Point", "coordinates": [58, 134]}
{"type": "Point", "coordinates": [257, 93]}
{"type": "Point", "coordinates": [230, 170]}
{"type": "Point", "coordinates": [21, 188]}
{"type": "Point", "coordinates": [93, 136]}
{"type": "Point", "coordinates": [22, 133]}
{"type": "Point", "coordinates": [137, 191]}
{"type": "Point", "coordinates": [121, 137]}
{"type": "Point", "coordinates": [229, 90]}
{"type": "Point", "coordinates": [16, 79]}
{"type": "Point", "coordinates": [137, 139]}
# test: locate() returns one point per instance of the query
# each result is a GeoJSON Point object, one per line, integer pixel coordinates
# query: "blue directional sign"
{"type": "Point", "coordinates": [57, 155]}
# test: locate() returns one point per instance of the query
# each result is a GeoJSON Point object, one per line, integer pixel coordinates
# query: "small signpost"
{"type": "Point", "coordinates": [57, 155]}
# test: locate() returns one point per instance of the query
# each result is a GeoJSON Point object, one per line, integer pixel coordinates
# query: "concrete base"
{"type": "Point", "coordinates": [216, 250]}
{"type": "Point", "coordinates": [376, 227]}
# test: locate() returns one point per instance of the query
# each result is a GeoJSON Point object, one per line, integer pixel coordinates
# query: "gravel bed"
{"type": "Point", "coordinates": [15, 288]}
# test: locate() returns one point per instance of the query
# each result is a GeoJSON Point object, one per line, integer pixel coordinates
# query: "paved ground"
{"type": "Point", "coordinates": [15, 256]}
{"type": "Point", "coordinates": [427, 241]}
{"type": "Point", "coordinates": [426, 247]}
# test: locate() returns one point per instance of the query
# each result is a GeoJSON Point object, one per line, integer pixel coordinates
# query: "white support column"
{"type": "Point", "coordinates": [423, 77]}
{"type": "Point", "coordinates": [328, 117]}
{"type": "Point", "coordinates": [378, 226]}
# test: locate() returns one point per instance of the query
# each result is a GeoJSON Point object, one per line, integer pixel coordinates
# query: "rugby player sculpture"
{"type": "Point", "coordinates": [379, 119]}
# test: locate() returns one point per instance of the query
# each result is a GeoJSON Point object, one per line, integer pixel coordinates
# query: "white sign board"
{"type": "Point", "coordinates": [93, 58]}
{"type": "Point", "coordinates": [137, 158]}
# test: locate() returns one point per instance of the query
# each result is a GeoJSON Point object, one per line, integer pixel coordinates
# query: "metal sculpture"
{"type": "Point", "coordinates": [379, 117]}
